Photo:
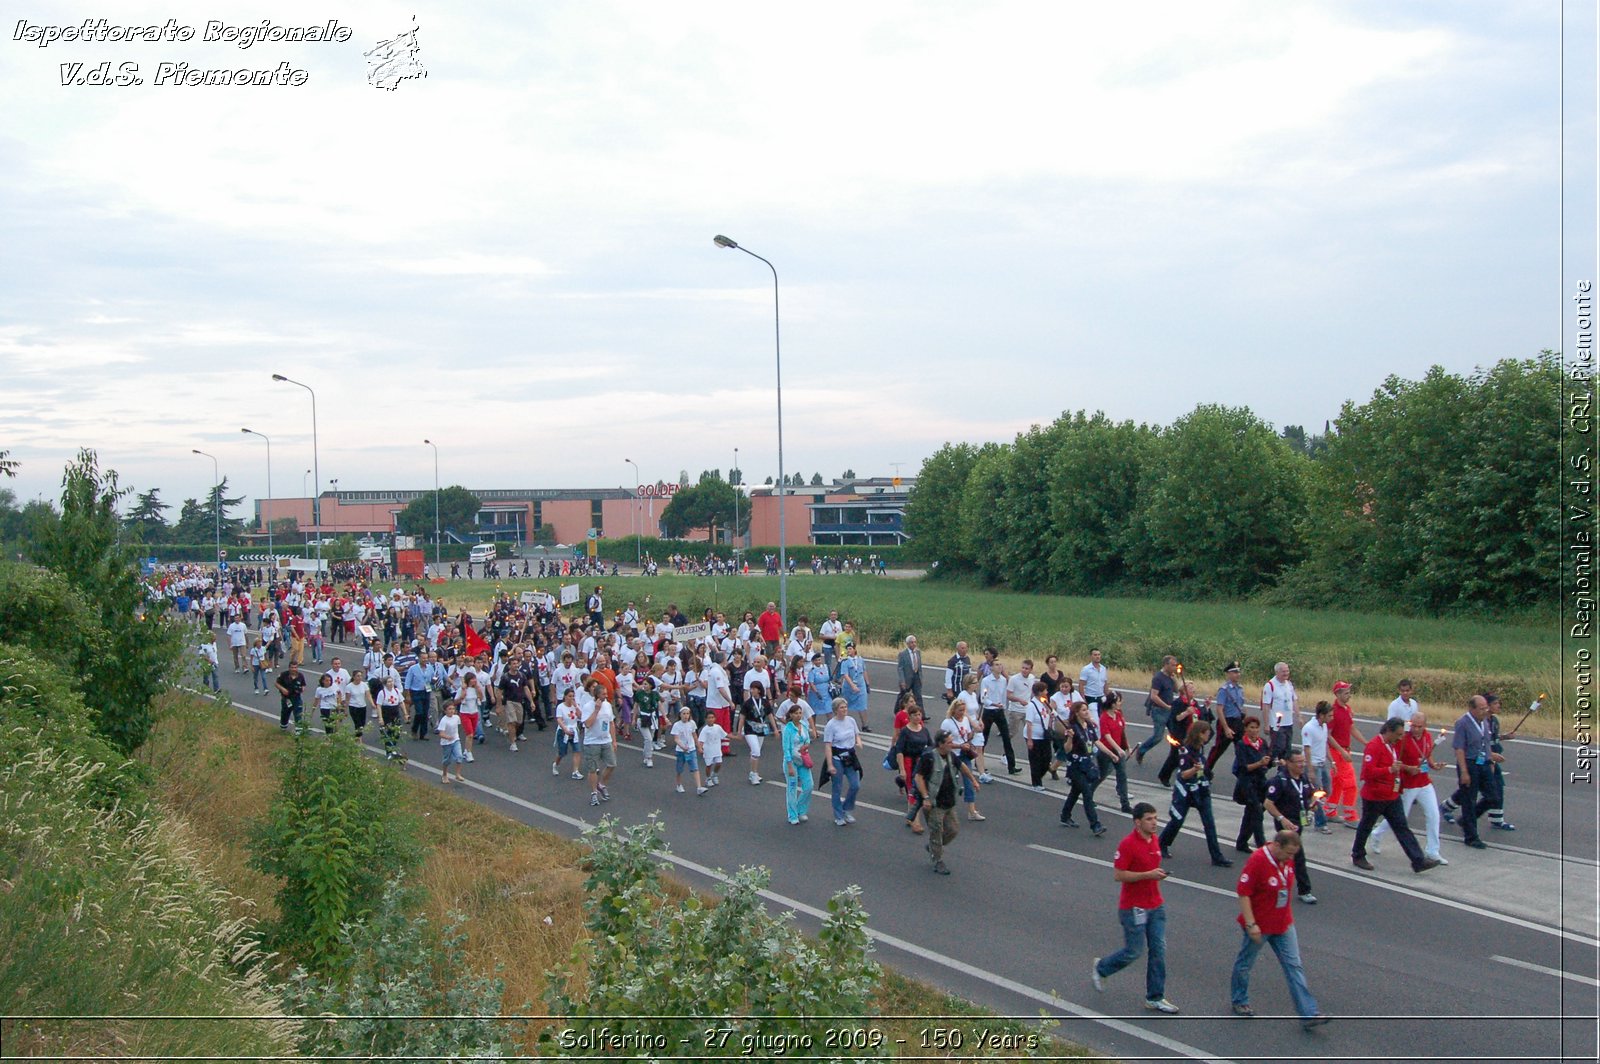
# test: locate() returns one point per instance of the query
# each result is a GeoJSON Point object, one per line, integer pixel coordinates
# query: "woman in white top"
{"type": "Point", "coordinates": [470, 702]}
{"type": "Point", "coordinates": [958, 722]}
{"type": "Point", "coordinates": [327, 696]}
{"type": "Point", "coordinates": [357, 699]}
{"type": "Point", "coordinates": [568, 714]}
{"type": "Point", "coordinates": [841, 734]}
{"type": "Point", "coordinates": [391, 709]}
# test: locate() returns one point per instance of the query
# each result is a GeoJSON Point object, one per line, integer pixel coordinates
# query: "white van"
{"type": "Point", "coordinates": [484, 552]}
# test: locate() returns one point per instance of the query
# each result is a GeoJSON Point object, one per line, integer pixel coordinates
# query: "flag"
{"type": "Point", "coordinates": [475, 643]}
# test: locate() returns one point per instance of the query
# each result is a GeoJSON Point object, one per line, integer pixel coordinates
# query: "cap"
{"type": "Point", "coordinates": [1340, 685]}
{"type": "Point", "coordinates": [1233, 666]}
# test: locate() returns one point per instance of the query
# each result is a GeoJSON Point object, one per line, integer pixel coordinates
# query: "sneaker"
{"type": "Point", "coordinates": [513, 748]}
{"type": "Point", "coordinates": [1222, 862]}
{"type": "Point", "coordinates": [680, 788]}
{"type": "Point", "coordinates": [1449, 818]}
{"type": "Point", "coordinates": [605, 795]}
{"type": "Point", "coordinates": [754, 779]}
{"type": "Point", "coordinates": [1325, 829]}
{"type": "Point", "coordinates": [1244, 1010]}
{"type": "Point", "coordinates": [1095, 978]}
{"type": "Point", "coordinates": [649, 763]}
{"type": "Point", "coordinates": [1440, 859]}
{"type": "Point", "coordinates": [1427, 863]}
{"type": "Point", "coordinates": [849, 818]}
{"type": "Point", "coordinates": [940, 868]}
{"type": "Point", "coordinates": [1309, 899]}
{"type": "Point", "coordinates": [1166, 854]}
{"type": "Point", "coordinates": [594, 797]}
{"type": "Point", "coordinates": [838, 821]}
{"type": "Point", "coordinates": [1138, 759]}
{"type": "Point", "coordinates": [1502, 826]}
{"type": "Point", "coordinates": [804, 818]}
{"type": "Point", "coordinates": [576, 776]}
{"type": "Point", "coordinates": [1477, 844]}
{"type": "Point", "coordinates": [1036, 787]}
{"type": "Point", "coordinates": [1126, 808]}
{"type": "Point", "coordinates": [1373, 847]}
{"type": "Point", "coordinates": [1014, 770]}
{"type": "Point", "coordinates": [1098, 830]}
{"type": "Point", "coordinates": [701, 791]}
{"type": "Point", "coordinates": [1160, 1005]}
{"type": "Point", "coordinates": [984, 777]}
{"type": "Point", "coordinates": [1067, 821]}
{"type": "Point", "coordinates": [470, 758]}
{"type": "Point", "coordinates": [555, 768]}
{"type": "Point", "coordinates": [1362, 863]}
{"type": "Point", "coordinates": [1314, 1021]}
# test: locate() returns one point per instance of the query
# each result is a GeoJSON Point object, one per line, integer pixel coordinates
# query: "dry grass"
{"type": "Point", "coordinates": [523, 887]}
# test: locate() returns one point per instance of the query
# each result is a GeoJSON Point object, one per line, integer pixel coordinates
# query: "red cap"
{"type": "Point", "coordinates": [1340, 685]}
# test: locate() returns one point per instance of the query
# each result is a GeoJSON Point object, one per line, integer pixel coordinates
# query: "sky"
{"type": "Point", "coordinates": [981, 214]}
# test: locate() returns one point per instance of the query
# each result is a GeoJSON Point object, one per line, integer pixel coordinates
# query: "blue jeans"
{"type": "Point", "coordinates": [1322, 781]}
{"type": "Point", "coordinates": [1135, 939]}
{"type": "Point", "coordinates": [1158, 719]}
{"type": "Point", "coordinates": [845, 803]}
{"type": "Point", "coordinates": [1287, 947]}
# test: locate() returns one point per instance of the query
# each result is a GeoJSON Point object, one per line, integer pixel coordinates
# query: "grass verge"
{"type": "Point", "coordinates": [523, 887]}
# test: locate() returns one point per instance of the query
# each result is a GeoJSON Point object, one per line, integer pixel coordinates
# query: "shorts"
{"type": "Point", "coordinates": [513, 711]}
{"type": "Point", "coordinates": [598, 754]}
{"type": "Point", "coordinates": [564, 744]}
{"type": "Point", "coordinates": [713, 758]}
{"type": "Point", "coordinates": [687, 762]}
{"type": "Point", "coordinates": [469, 725]}
{"type": "Point", "coordinates": [451, 753]}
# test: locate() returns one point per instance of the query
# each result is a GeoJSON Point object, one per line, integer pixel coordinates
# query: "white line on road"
{"type": "Point", "coordinates": [963, 968]}
{"type": "Point", "coordinates": [1086, 859]}
{"type": "Point", "coordinates": [1575, 977]}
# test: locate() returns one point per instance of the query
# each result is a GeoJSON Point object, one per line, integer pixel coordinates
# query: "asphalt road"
{"type": "Point", "coordinates": [1472, 961]}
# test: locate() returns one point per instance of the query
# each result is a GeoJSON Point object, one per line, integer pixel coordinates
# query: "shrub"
{"type": "Point", "coordinates": [335, 835]}
{"type": "Point", "coordinates": [688, 965]}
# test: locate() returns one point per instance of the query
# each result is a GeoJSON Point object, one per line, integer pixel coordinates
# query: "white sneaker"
{"type": "Point", "coordinates": [754, 779]}
{"type": "Point", "coordinates": [1437, 857]}
{"type": "Point", "coordinates": [849, 818]}
{"type": "Point", "coordinates": [649, 763]}
{"type": "Point", "coordinates": [1373, 847]}
{"type": "Point", "coordinates": [985, 778]}
{"type": "Point", "coordinates": [1094, 976]}
{"type": "Point", "coordinates": [702, 791]}
{"type": "Point", "coordinates": [680, 788]}
{"type": "Point", "coordinates": [555, 768]}
{"type": "Point", "coordinates": [1160, 1005]}
{"type": "Point", "coordinates": [577, 776]}
{"type": "Point", "coordinates": [470, 758]}
{"type": "Point", "coordinates": [513, 748]}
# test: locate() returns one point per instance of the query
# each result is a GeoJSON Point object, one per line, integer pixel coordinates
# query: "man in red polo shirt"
{"type": "Point", "coordinates": [1265, 886]}
{"type": "Point", "coordinates": [1416, 786]}
{"type": "Point", "coordinates": [1381, 772]}
{"type": "Point", "coordinates": [1140, 910]}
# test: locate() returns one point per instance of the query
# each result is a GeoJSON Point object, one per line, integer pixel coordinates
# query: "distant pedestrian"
{"type": "Point", "coordinates": [1158, 704]}
{"type": "Point", "coordinates": [1264, 916]}
{"type": "Point", "coordinates": [1140, 911]}
{"type": "Point", "coordinates": [937, 770]}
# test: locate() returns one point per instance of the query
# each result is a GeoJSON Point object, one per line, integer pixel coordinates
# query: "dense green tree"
{"type": "Point", "coordinates": [193, 524]}
{"type": "Point", "coordinates": [146, 517]}
{"type": "Point", "coordinates": [1093, 483]}
{"type": "Point", "coordinates": [816, 480]}
{"type": "Point", "coordinates": [982, 524]}
{"type": "Point", "coordinates": [1220, 504]}
{"type": "Point", "coordinates": [284, 528]}
{"type": "Point", "coordinates": [848, 474]}
{"type": "Point", "coordinates": [1025, 528]}
{"type": "Point", "coordinates": [458, 512]}
{"type": "Point", "coordinates": [933, 511]}
{"type": "Point", "coordinates": [708, 504]}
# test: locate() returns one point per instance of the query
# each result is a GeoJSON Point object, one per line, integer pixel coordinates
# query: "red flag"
{"type": "Point", "coordinates": [475, 643]}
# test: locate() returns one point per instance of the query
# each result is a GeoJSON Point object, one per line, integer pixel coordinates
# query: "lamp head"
{"type": "Point", "coordinates": [196, 450]}
{"type": "Point", "coordinates": [279, 377]}
{"type": "Point", "coordinates": [428, 443]}
{"type": "Point", "coordinates": [723, 242]}
{"type": "Point", "coordinates": [244, 430]}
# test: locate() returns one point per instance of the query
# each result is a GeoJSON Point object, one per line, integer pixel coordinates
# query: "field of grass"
{"type": "Point", "coordinates": [524, 887]}
{"type": "Point", "coordinates": [1448, 659]}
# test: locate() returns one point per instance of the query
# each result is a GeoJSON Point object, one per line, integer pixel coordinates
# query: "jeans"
{"type": "Point", "coordinates": [258, 678]}
{"type": "Point", "coordinates": [1158, 722]}
{"type": "Point", "coordinates": [844, 778]}
{"type": "Point", "coordinates": [1134, 940]}
{"type": "Point", "coordinates": [1321, 780]}
{"type": "Point", "coordinates": [209, 678]}
{"type": "Point", "coordinates": [1107, 764]}
{"type": "Point", "coordinates": [1287, 947]}
{"type": "Point", "coordinates": [1185, 798]}
{"type": "Point", "coordinates": [1084, 777]}
{"type": "Point", "coordinates": [421, 702]}
{"type": "Point", "coordinates": [797, 792]}
{"type": "Point", "coordinates": [287, 707]}
{"type": "Point", "coordinates": [969, 793]}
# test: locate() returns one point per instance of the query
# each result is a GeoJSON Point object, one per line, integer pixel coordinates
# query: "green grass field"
{"type": "Point", "coordinates": [1449, 659]}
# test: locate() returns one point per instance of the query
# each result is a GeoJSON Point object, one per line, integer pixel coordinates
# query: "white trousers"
{"type": "Point", "coordinates": [1428, 798]}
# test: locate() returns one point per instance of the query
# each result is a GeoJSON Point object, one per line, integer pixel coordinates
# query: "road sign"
{"type": "Point", "coordinates": [222, 567]}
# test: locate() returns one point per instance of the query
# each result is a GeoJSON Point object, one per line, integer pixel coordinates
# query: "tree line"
{"type": "Point", "coordinates": [1435, 495]}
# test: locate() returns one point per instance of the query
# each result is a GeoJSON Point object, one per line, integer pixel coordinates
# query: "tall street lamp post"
{"type": "Point", "coordinates": [777, 347]}
{"type": "Point", "coordinates": [335, 482]}
{"type": "Point", "coordinates": [435, 447]}
{"type": "Point", "coordinates": [272, 560]}
{"type": "Point", "coordinates": [316, 468]}
{"type": "Point", "coordinates": [638, 518]}
{"type": "Point", "coordinates": [216, 504]}
{"type": "Point", "coordinates": [735, 487]}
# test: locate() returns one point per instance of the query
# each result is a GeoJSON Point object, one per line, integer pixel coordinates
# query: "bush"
{"type": "Point", "coordinates": [335, 835]}
{"type": "Point", "coordinates": [401, 967]}
{"type": "Point", "coordinates": [686, 963]}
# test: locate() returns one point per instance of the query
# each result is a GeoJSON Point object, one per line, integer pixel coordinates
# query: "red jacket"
{"type": "Point", "coordinates": [771, 626]}
{"type": "Point", "coordinates": [1380, 781]}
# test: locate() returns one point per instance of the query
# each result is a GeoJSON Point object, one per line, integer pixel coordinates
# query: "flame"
{"type": "Point", "coordinates": [1318, 795]}
{"type": "Point", "coordinates": [1173, 742]}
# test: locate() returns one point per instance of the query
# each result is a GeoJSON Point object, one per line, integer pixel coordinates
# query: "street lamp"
{"type": "Point", "coordinates": [216, 503]}
{"type": "Point", "coordinates": [638, 518]}
{"type": "Point", "coordinates": [335, 482]}
{"type": "Point", "coordinates": [435, 447]}
{"type": "Point", "coordinates": [777, 347]}
{"type": "Point", "coordinates": [305, 483]}
{"type": "Point", "coordinates": [272, 561]}
{"type": "Point", "coordinates": [316, 506]}
{"type": "Point", "coordinates": [735, 487]}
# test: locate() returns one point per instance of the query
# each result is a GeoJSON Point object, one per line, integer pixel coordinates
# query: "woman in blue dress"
{"type": "Point", "coordinates": [818, 697]}
{"type": "Point", "coordinates": [853, 684]}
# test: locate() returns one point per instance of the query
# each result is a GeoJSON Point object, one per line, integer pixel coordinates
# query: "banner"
{"type": "Point", "coordinates": [569, 594]}
{"type": "Point", "coordinates": [690, 633]}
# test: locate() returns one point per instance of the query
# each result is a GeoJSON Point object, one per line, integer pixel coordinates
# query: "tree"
{"type": "Point", "coordinates": [145, 517]}
{"type": "Point", "coordinates": [1220, 504]}
{"type": "Point", "coordinates": [285, 527]}
{"type": "Point", "coordinates": [933, 511]}
{"type": "Point", "coordinates": [458, 512]}
{"type": "Point", "coordinates": [982, 528]}
{"type": "Point", "coordinates": [1095, 475]}
{"type": "Point", "coordinates": [217, 497]}
{"type": "Point", "coordinates": [735, 477]}
{"type": "Point", "coordinates": [343, 549]}
{"type": "Point", "coordinates": [193, 524]}
{"type": "Point", "coordinates": [84, 545]}
{"type": "Point", "coordinates": [708, 504]}
{"type": "Point", "coordinates": [8, 465]}
{"type": "Point", "coordinates": [816, 480]}
{"type": "Point", "coordinates": [768, 482]}
{"type": "Point", "coordinates": [848, 474]}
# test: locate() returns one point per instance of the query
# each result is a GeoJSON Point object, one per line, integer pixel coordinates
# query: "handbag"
{"type": "Point", "coordinates": [805, 757]}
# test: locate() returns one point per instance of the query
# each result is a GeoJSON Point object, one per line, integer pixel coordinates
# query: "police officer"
{"type": "Point", "coordinates": [1290, 800]}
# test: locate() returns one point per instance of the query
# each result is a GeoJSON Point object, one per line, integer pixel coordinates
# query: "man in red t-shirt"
{"type": "Point", "coordinates": [1416, 786]}
{"type": "Point", "coordinates": [1342, 732]}
{"type": "Point", "coordinates": [1381, 773]}
{"type": "Point", "coordinates": [770, 624]}
{"type": "Point", "coordinates": [1265, 886]}
{"type": "Point", "coordinates": [1140, 910]}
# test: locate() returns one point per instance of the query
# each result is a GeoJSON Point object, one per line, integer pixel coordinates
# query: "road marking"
{"type": "Point", "coordinates": [1107, 864]}
{"type": "Point", "coordinates": [1575, 977]}
{"type": "Point", "coordinates": [963, 967]}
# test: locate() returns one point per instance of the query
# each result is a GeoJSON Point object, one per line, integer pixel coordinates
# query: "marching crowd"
{"type": "Point", "coordinates": [699, 691]}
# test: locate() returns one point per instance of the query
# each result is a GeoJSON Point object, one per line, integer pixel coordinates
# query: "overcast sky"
{"type": "Point", "coordinates": [982, 214]}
